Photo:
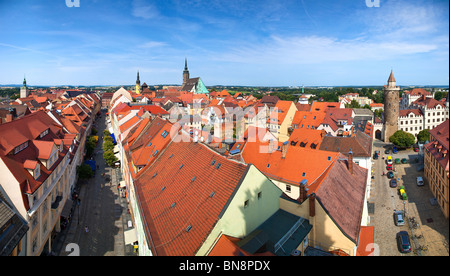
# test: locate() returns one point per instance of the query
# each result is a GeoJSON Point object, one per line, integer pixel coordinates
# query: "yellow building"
{"type": "Point", "coordinates": [280, 119]}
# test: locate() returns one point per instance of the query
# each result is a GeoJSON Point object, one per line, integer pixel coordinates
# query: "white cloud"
{"type": "Point", "coordinates": [143, 9]}
{"type": "Point", "coordinates": [316, 49]}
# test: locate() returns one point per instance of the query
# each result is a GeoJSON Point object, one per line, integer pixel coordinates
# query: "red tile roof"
{"type": "Point", "coordinates": [182, 195]}
{"type": "Point", "coordinates": [299, 163]}
{"type": "Point", "coordinates": [366, 241]}
{"type": "Point", "coordinates": [24, 133]}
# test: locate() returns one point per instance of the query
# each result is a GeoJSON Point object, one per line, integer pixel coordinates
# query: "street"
{"type": "Point", "coordinates": [99, 221]}
{"type": "Point", "coordinates": [433, 229]}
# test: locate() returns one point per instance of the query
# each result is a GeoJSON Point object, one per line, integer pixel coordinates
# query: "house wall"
{"type": "Point", "coordinates": [239, 221]}
{"type": "Point", "coordinates": [325, 234]}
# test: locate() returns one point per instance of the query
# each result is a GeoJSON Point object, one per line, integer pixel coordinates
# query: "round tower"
{"type": "Point", "coordinates": [391, 107]}
{"type": "Point", "coordinates": [24, 89]}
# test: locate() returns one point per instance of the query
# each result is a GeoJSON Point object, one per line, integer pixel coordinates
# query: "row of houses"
{"type": "Point", "coordinates": [194, 192]}
{"type": "Point", "coordinates": [39, 155]}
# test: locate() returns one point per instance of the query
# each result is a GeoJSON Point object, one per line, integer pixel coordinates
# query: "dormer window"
{"type": "Point", "coordinates": [20, 147]}
{"type": "Point", "coordinates": [37, 172]}
{"type": "Point", "coordinates": [45, 132]}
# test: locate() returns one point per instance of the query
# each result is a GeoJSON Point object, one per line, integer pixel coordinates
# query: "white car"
{"type": "Point", "coordinates": [419, 181]}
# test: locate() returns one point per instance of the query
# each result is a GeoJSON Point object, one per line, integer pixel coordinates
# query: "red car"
{"type": "Point", "coordinates": [389, 167]}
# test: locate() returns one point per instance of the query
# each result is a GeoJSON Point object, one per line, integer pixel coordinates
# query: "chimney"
{"type": "Point", "coordinates": [271, 146]}
{"type": "Point", "coordinates": [9, 118]}
{"type": "Point", "coordinates": [312, 206]}
{"type": "Point", "coordinates": [284, 148]}
{"type": "Point", "coordinates": [350, 161]}
{"type": "Point", "coordinates": [303, 191]}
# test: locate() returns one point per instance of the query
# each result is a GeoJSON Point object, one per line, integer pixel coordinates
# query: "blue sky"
{"type": "Point", "coordinates": [232, 42]}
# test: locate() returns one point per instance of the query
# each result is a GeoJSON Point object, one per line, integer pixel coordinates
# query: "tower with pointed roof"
{"type": "Point", "coordinates": [24, 89]}
{"type": "Point", "coordinates": [185, 72]}
{"type": "Point", "coordinates": [391, 107]}
{"type": "Point", "coordinates": [138, 84]}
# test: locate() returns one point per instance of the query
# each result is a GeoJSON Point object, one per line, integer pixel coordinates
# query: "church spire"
{"type": "Point", "coordinates": [185, 72]}
{"type": "Point", "coordinates": [138, 84]}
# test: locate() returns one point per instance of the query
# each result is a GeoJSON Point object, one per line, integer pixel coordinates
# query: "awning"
{"type": "Point", "coordinates": [67, 207]}
{"type": "Point", "coordinates": [130, 236]}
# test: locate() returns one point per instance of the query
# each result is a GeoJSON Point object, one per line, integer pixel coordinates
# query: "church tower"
{"type": "Point", "coordinates": [24, 89]}
{"type": "Point", "coordinates": [185, 72]}
{"type": "Point", "coordinates": [391, 107]}
{"type": "Point", "coordinates": [138, 84]}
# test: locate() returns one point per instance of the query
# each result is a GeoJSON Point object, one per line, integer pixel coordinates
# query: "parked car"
{"type": "Point", "coordinates": [403, 242]}
{"type": "Point", "coordinates": [394, 150]}
{"type": "Point", "coordinates": [387, 151]}
{"type": "Point", "coordinates": [390, 174]}
{"type": "Point", "coordinates": [404, 161]}
{"type": "Point", "coordinates": [419, 181]}
{"type": "Point", "coordinates": [393, 183]}
{"type": "Point", "coordinates": [389, 167]}
{"type": "Point", "coordinates": [399, 218]}
{"type": "Point", "coordinates": [416, 149]}
{"type": "Point", "coordinates": [389, 159]}
{"type": "Point", "coordinates": [397, 160]}
{"type": "Point", "coordinates": [375, 156]}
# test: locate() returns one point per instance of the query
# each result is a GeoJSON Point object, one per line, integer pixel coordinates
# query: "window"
{"type": "Point", "coordinates": [303, 174]}
{"type": "Point", "coordinates": [288, 188]}
{"type": "Point", "coordinates": [268, 165]}
{"type": "Point", "coordinates": [45, 132]}
{"type": "Point", "coordinates": [165, 133]}
{"type": "Point", "coordinates": [37, 172]}
{"type": "Point", "coordinates": [246, 203]}
{"type": "Point", "coordinates": [259, 195]}
{"type": "Point", "coordinates": [156, 152]}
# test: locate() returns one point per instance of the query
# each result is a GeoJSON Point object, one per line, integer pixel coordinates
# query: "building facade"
{"type": "Point", "coordinates": [436, 165]}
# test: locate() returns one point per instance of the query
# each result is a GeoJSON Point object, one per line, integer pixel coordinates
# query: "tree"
{"type": "Point", "coordinates": [402, 139]}
{"type": "Point", "coordinates": [85, 171]}
{"type": "Point", "coordinates": [353, 104]}
{"type": "Point", "coordinates": [110, 158]}
{"type": "Point", "coordinates": [423, 135]}
{"type": "Point", "coordinates": [108, 146]}
{"type": "Point", "coordinates": [91, 142]}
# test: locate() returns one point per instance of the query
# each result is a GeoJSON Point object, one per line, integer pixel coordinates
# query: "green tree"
{"type": "Point", "coordinates": [108, 145]}
{"type": "Point", "coordinates": [353, 104]}
{"type": "Point", "coordinates": [109, 158]}
{"type": "Point", "coordinates": [423, 135]}
{"type": "Point", "coordinates": [85, 171]}
{"type": "Point", "coordinates": [402, 139]}
{"type": "Point", "coordinates": [91, 142]}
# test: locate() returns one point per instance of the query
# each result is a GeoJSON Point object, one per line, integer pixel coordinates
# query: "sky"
{"type": "Point", "coordinates": [226, 42]}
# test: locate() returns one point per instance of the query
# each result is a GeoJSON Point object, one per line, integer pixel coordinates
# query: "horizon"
{"type": "Point", "coordinates": [240, 42]}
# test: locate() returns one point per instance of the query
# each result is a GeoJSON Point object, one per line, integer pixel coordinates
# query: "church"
{"type": "Point", "coordinates": [193, 85]}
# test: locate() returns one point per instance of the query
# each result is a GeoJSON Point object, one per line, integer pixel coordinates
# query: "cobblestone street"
{"type": "Point", "coordinates": [433, 228]}
{"type": "Point", "coordinates": [98, 223]}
